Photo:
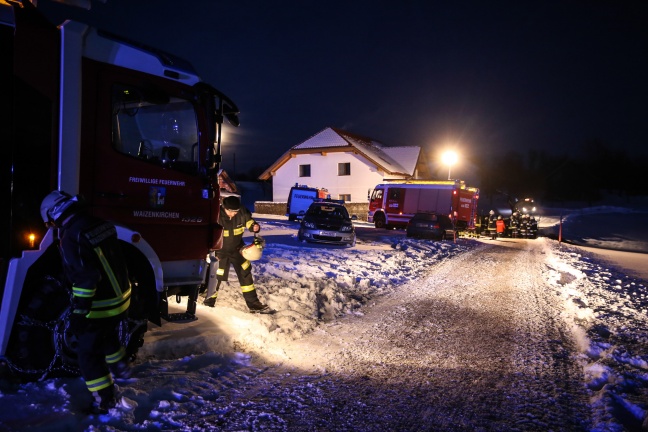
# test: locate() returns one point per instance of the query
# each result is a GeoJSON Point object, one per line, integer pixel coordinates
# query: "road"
{"type": "Point", "coordinates": [477, 344]}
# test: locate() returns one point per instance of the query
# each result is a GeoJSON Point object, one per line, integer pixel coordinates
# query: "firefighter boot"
{"type": "Point", "coordinates": [211, 301]}
{"type": "Point", "coordinates": [120, 370]}
{"type": "Point", "coordinates": [104, 400]}
{"type": "Point", "coordinates": [254, 305]}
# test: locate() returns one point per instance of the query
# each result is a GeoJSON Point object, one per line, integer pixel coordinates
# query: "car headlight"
{"type": "Point", "coordinates": [346, 228]}
{"type": "Point", "coordinates": [309, 224]}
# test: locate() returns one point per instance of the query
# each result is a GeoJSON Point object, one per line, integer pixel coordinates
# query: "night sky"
{"type": "Point", "coordinates": [483, 77]}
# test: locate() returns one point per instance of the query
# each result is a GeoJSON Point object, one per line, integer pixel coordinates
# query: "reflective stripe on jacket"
{"type": "Point", "coordinates": [95, 264]}
{"type": "Point", "coordinates": [233, 229]}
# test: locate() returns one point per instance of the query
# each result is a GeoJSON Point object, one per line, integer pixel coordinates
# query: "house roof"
{"type": "Point", "coordinates": [226, 183]}
{"type": "Point", "coordinates": [392, 160]}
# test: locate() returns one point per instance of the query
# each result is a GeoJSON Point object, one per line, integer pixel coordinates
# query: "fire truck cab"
{"type": "Point", "coordinates": [136, 133]}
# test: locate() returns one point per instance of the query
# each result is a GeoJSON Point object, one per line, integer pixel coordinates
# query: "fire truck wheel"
{"type": "Point", "coordinates": [379, 221]}
{"type": "Point", "coordinates": [144, 304]}
{"type": "Point", "coordinates": [67, 343]}
{"type": "Point", "coordinates": [34, 342]}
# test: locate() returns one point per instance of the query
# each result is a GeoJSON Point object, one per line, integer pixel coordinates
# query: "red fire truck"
{"type": "Point", "coordinates": [392, 204]}
{"type": "Point", "coordinates": [136, 133]}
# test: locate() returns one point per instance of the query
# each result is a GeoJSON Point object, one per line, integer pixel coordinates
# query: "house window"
{"type": "Point", "coordinates": [345, 197]}
{"type": "Point", "coordinates": [344, 169]}
{"type": "Point", "coordinates": [304, 170]}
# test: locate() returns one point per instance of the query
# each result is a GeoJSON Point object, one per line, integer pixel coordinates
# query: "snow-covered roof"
{"type": "Point", "coordinates": [391, 160]}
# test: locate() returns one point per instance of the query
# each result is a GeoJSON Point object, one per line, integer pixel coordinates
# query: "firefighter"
{"type": "Point", "coordinates": [94, 265]}
{"type": "Point", "coordinates": [515, 224]}
{"type": "Point", "coordinates": [524, 226]}
{"type": "Point", "coordinates": [501, 226]}
{"type": "Point", "coordinates": [532, 231]}
{"type": "Point", "coordinates": [235, 219]}
{"type": "Point", "coordinates": [492, 224]}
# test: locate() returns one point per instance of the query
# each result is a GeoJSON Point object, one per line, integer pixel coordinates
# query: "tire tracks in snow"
{"type": "Point", "coordinates": [476, 344]}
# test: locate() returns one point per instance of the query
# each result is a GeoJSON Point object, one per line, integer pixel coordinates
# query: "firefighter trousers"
{"type": "Point", "coordinates": [243, 269]}
{"type": "Point", "coordinates": [98, 349]}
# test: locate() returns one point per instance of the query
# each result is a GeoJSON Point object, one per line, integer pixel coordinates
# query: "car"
{"type": "Point", "coordinates": [431, 225]}
{"type": "Point", "coordinates": [327, 221]}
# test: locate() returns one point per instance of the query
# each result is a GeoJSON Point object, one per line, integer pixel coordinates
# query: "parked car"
{"type": "Point", "coordinates": [431, 225]}
{"type": "Point", "coordinates": [327, 222]}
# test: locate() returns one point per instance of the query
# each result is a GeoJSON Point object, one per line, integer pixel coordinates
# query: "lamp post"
{"type": "Point", "coordinates": [449, 158]}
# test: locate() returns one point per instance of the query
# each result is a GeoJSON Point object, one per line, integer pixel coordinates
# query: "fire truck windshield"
{"type": "Point", "coordinates": [162, 132]}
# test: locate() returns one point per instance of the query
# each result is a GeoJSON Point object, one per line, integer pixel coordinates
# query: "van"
{"type": "Point", "coordinates": [300, 198]}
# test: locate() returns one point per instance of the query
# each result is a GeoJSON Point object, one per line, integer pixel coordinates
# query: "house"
{"type": "Point", "coordinates": [346, 164]}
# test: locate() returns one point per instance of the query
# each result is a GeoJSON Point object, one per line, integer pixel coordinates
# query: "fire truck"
{"type": "Point", "coordinates": [137, 134]}
{"type": "Point", "coordinates": [392, 204]}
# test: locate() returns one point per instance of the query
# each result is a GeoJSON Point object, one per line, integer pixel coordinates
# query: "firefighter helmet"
{"type": "Point", "coordinates": [232, 202]}
{"type": "Point", "coordinates": [492, 212]}
{"type": "Point", "coordinates": [55, 204]}
{"type": "Point", "coordinates": [254, 251]}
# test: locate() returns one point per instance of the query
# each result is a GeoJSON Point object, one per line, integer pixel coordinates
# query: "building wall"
{"type": "Point", "coordinates": [324, 174]}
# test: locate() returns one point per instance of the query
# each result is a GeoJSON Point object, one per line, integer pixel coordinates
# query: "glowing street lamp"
{"type": "Point", "coordinates": [449, 158]}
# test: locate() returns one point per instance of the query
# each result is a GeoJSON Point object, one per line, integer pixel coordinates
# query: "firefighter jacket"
{"type": "Point", "coordinates": [492, 222]}
{"type": "Point", "coordinates": [94, 263]}
{"type": "Point", "coordinates": [233, 230]}
{"type": "Point", "coordinates": [501, 226]}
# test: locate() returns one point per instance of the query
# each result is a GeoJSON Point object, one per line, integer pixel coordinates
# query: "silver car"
{"type": "Point", "coordinates": [327, 222]}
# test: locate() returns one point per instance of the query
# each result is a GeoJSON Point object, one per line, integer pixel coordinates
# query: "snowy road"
{"type": "Point", "coordinates": [475, 344]}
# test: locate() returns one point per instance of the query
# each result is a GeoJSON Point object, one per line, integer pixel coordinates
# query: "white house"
{"type": "Point", "coordinates": [346, 164]}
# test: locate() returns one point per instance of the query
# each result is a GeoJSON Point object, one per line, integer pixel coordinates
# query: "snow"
{"type": "Point", "coordinates": [339, 312]}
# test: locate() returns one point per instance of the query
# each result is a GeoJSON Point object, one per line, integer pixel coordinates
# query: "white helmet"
{"type": "Point", "coordinates": [254, 251]}
{"type": "Point", "coordinates": [55, 204]}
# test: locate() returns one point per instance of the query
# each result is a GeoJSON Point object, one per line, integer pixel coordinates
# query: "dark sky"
{"type": "Point", "coordinates": [482, 76]}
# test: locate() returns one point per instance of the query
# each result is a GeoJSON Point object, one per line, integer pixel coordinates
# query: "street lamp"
{"type": "Point", "coordinates": [449, 158]}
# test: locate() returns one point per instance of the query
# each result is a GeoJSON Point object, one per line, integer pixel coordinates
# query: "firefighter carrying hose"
{"type": "Point", "coordinates": [235, 219]}
{"type": "Point", "coordinates": [94, 265]}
